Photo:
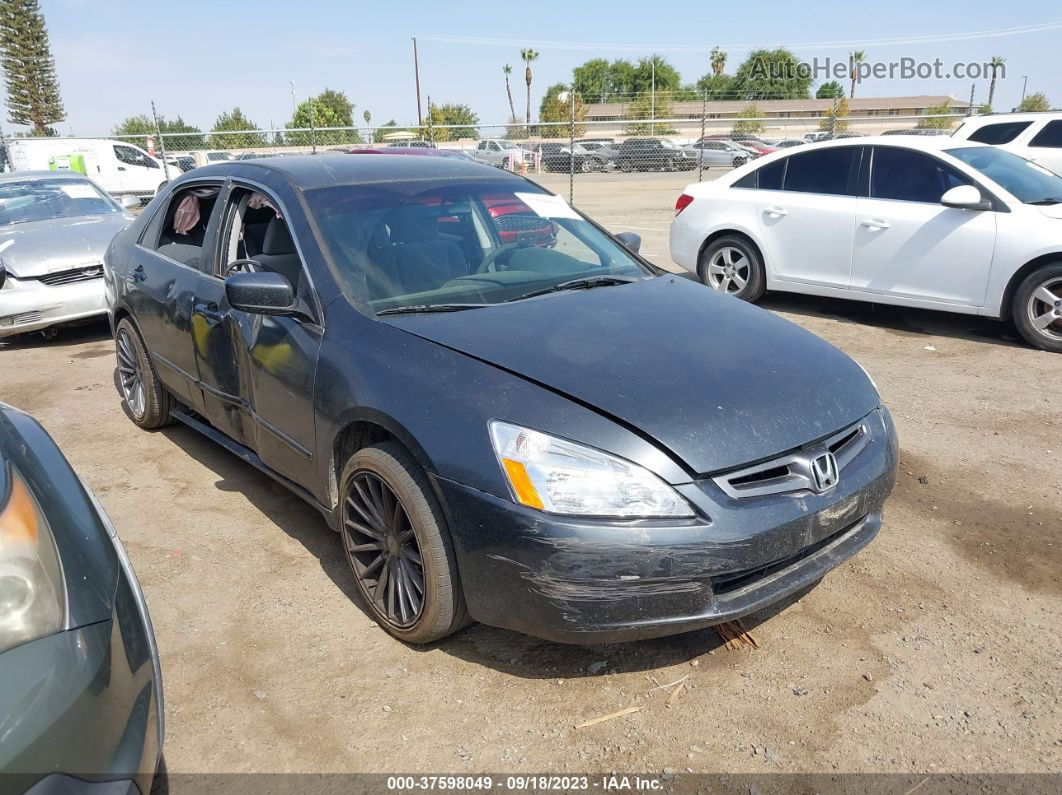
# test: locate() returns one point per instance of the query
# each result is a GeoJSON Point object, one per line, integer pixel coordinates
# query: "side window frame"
{"type": "Point", "coordinates": [1052, 124]}
{"type": "Point", "coordinates": [947, 167]}
{"type": "Point", "coordinates": [852, 184]}
{"type": "Point", "coordinates": [1021, 126]}
{"type": "Point", "coordinates": [149, 238]}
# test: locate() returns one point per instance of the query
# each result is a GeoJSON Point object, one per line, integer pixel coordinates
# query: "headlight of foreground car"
{"type": "Point", "coordinates": [563, 477]}
{"type": "Point", "coordinates": [32, 593]}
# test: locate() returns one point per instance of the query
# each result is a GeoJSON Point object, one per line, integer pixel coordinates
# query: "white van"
{"type": "Point", "coordinates": [1034, 136]}
{"type": "Point", "coordinates": [119, 168]}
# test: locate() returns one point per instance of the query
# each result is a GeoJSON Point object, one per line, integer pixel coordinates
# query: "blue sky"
{"type": "Point", "coordinates": [198, 59]}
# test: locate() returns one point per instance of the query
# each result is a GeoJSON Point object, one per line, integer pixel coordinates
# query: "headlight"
{"type": "Point", "coordinates": [32, 594]}
{"type": "Point", "coordinates": [559, 476]}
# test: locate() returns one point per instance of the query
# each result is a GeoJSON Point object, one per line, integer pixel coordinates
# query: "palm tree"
{"type": "Point", "coordinates": [854, 59]}
{"type": "Point", "coordinates": [996, 63]}
{"type": "Point", "coordinates": [528, 56]}
{"type": "Point", "coordinates": [718, 61]}
{"type": "Point", "coordinates": [508, 70]}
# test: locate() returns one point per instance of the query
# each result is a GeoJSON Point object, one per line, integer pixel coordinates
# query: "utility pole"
{"type": "Point", "coordinates": [294, 109]}
{"type": "Point", "coordinates": [416, 76]}
{"type": "Point", "coordinates": [652, 96]}
{"type": "Point", "coordinates": [704, 119]}
{"type": "Point", "coordinates": [969, 110]}
{"type": "Point", "coordinates": [1024, 85]}
{"type": "Point", "coordinates": [571, 146]}
{"type": "Point", "coordinates": [162, 142]}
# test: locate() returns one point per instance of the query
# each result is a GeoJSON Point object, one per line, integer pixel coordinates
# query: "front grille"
{"type": "Point", "coordinates": [83, 274]}
{"type": "Point", "coordinates": [28, 317]}
{"type": "Point", "coordinates": [793, 472]}
{"type": "Point", "coordinates": [725, 584]}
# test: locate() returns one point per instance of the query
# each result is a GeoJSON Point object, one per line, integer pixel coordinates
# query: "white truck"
{"type": "Point", "coordinates": [119, 168]}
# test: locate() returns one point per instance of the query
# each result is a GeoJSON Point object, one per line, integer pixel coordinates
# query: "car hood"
{"type": "Point", "coordinates": [715, 380]}
{"type": "Point", "coordinates": [39, 247]}
{"type": "Point", "coordinates": [1052, 210]}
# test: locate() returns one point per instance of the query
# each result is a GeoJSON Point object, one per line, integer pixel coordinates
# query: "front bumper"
{"type": "Point", "coordinates": [30, 305]}
{"type": "Point", "coordinates": [575, 580]}
{"type": "Point", "coordinates": [85, 703]}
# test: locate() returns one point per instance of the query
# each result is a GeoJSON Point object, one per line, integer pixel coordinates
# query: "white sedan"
{"type": "Point", "coordinates": [918, 221]}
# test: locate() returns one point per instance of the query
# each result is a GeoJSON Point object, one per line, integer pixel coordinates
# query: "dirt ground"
{"type": "Point", "coordinates": [935, 649]}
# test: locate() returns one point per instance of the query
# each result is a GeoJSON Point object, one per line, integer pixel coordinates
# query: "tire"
{"type": "Point", "coordinates": [150, 405]}
{"type": "Point", "coordinates": [740, 261]}
{"type": "Point", "coordinates": [626, 166]}
{"type": "Point", "coordinates": [585, 166]}
{"type": "Point", "coordinates": [442, 608]}
{"type": "Point", "coordinates": [740, 161]}
{"type": "Point", "coordinates": [1037, 300]}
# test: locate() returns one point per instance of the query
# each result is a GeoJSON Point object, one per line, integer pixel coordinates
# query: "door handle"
{"type": "Point", "coordinates": [121, 168]}
{"type": "Point", "coordinates": [138, 273]}
{"type": "Point", "coordinates": [208, 310]}
{"type": "Point", "coordinates": [779, 211]}
{"type": "Point", "coordinates": [875, 223]}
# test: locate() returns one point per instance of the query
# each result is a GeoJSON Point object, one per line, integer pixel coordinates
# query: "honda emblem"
{"type": "Point", "coordinates": [824, 474]}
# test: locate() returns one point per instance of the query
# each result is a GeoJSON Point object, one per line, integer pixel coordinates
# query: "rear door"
{"type": "Point", "coordinates": [257, 371]}
{"type": "Point", "coordinates": [805, 206]}
{"type": "Point", "coordinates": [909, 245]}
{"type": "Point", "coordinates": [1045, 146]}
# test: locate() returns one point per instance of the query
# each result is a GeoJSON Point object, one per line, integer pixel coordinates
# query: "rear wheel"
{"type": "Point", "coordinates": [396, 541]}
{"type": "Point", "coordinates": [147, 400]}
{"type": "Point", "coordinates": [626, 166]}
{"type": "Point", "coordinates": [732, 265]}
{"type": "Point", "coordinates": [1037, 308]}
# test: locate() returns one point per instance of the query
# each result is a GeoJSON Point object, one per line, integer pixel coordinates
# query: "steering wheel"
{"type": "Point", "coordinates": [242, 266]}
{"type": "Point", "coordinates": [488, 261]}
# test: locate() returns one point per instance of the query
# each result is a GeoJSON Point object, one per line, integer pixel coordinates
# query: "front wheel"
{"type": "Point", "coordinates": [626, 166]}
{"type": "Point", "coordinates": [732, 265]}
{"type": "Point", "coordinates": [1037, 308]}
{"type": "Point", "coordinates": [398, 547]}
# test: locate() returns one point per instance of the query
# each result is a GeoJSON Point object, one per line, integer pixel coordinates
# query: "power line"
{"type": "Point", "coordinates": [481, 41]}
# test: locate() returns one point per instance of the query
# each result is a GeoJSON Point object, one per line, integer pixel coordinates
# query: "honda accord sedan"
{"type": "Point", "coordinates": [559, 439]}
{"type": "Point", "coordinates": [922, 221]}
{"type": "Point", "coordinates": [80, 684]}
{"type": "Point", "coordinates": [54, 228]}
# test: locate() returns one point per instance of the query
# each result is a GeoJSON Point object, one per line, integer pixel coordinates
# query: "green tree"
{"type": "Point", "coordinates": [233, 130]}
{"type": "Point", "coordinates": [386, 129]}
{"type": "Point", "coordinates": [854, 60]}
{"type": "Point", "coordinates": [748, 122]}
{"type": "Point", "coordinates": [443, 117]}
{"type": "Point", "coordinates": [830, 90]}
{"type": "Point", "coordinates": [593, 80]}
{"type": "Point", "coordinates": [719, 86]}
{"type": "Point", "coordinates": [771, 74]}
{"type": "Point", "coordinates": [1035, 102]}
{"type": "Point", "coordinates": [836, 121]}
{"type": "Point", "coordinates": [559, 111]}
{"type": "Point", "coordinates": [622, 80]}
{"type": "Point", "coordinates": [29, 68]}
{"type": "Point", "coordinates": [934, 120]}
{"type": "Point", "coordinates": [641, 111]}
{"type": "Point", "coordinates": [527, 56]}
{"type": "Point", "coordinates": [328, 109]}
{"type": "Point", "coordinates": [665, 76]}
{"type": "Point", "coordinates": [984, 109]}
{"type": "Point", "coordinates": [995, 64]}
{"type": "Point", "coordinates": [178, 134]}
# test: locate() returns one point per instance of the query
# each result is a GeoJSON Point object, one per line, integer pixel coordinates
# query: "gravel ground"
{"type": "Point", "coordinates": [936, 649]}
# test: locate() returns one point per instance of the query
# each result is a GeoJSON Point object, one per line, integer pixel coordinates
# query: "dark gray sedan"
{"type": "Point", "coordinates": [80, 684]}
{"type": "Point", "coordinates": [548, 435]}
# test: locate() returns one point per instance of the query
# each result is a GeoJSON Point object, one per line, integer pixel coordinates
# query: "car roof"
{"type": "Point", "coordinates": [19, 176]}
{"type": "Point", "coordinates": [926, 142]}
{"type": "Point", "coordinates": [317, 171]}
{"type": "Point", "coordinates": [1003, 118]}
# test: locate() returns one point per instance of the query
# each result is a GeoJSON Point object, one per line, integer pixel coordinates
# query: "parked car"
{"type": "Point", "coordinates": [501, 152]}
{"type": "Point", "coordinates": [183, 162]}
{"type": "Point", "coordinates": [605, 149]}
{"type": "Point", "coordinates": [1034, 136]}
{"type": "Point", "coordinates": [121, 169]}
{"type": "Point", "coordinates": [558, 157]}
{"type": "Point", "coordinates": [654, 154]}
{"type": "Point", "coordinates": [411, 144]}
{"type": "Point", "coordinates": [917, 131]}
{"type": "Point", "coordinates": [54, 229]}
{"type": "Point", "coordinates": [545, 439]}
{"type": "Point", "coordinates": [788, 143]}
{"type": "Point", "coordinates": [927, 222]}
{"type": "Point", "coordinates": [720, 153]}
{"type": "Point", "coordinates": [80, 682]}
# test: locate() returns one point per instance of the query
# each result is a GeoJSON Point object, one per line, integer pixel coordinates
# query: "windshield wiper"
{"type": "Point", "coordinates": [421, 308]}
{"type": "Point", "coordinates": [1046, 202]}
{"type": "Point", "coordinates": [585, 283]}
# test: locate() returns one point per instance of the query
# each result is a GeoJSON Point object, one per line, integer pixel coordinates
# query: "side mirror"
{"type": "Point", "coordinates": [260, 293]}
{"type": "Point", "coordinates": [965, 197]}
{"type": "Point", "coordinates": [630, 240]}
{"type": "Point", "coordinates": [128, 202]}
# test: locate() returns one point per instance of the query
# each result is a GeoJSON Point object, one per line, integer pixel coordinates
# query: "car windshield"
{"type": "Point", "coordinates": [507, 144]}
{"type": "Point", "coordinates": [668, 144]}
{"type": "Point", "coordinates": [437, 246]}
{"type": "Point", "coordinates": [1029, 182]}
{"type": "Point", "coordinates": [45, 199]}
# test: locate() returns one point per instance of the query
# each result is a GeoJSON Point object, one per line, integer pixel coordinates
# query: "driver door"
{"type": "Point", "coordinates": [257, 371]}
